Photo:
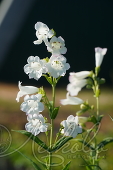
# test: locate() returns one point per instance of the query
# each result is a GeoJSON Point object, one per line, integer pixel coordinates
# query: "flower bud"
{"type": "Point", "coordinates": [102, 81]}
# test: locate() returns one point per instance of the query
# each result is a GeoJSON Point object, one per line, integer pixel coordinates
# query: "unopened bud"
{"type": "Point", "coordinates": [102, 81]}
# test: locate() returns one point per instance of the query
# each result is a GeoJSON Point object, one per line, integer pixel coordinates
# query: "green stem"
{"type": "Point", "coordinates": [51, 137]}
{"type": "Point", "coordinates": [51, 133]}
{"type": "Point", "coordinates": [97, 100]}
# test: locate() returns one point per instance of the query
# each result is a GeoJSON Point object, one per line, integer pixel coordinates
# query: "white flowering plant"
{"type": "Point", "coordinates": [36, 100]}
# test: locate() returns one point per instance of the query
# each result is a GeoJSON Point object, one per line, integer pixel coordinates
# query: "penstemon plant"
{"type": "Point", "coordinates": [36, 100]}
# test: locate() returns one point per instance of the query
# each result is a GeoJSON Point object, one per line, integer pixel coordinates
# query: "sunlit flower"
{"type": "Point", "coordinates": [35, 67]}
{"type": "Point", "coordinates": [57, 66]}
{"type": "Point", "coordinates": [71, 100]}
{"type": "Point", "coordinates": [99, 54]}
{"type": "Point", "coordinates": [78, 75]}
{"type": "Point", "coordinates": [36, 125]}
{"type": "Point", "coordinates": [74, 88]}
{"type": "Point", "coordinates": [77, 82]}
{"type": "Point", "coordinates": [24, 90]}
{"type": "Point", "coordinates": [71, 126]}
{"type": "Point", "coordinates": [42, 32]}
{"type": "Point", "coordinates": [56, 45]}
{"type": "Point", "coordinates": [32, 104]}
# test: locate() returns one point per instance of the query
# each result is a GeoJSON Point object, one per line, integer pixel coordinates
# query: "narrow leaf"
{"type": "Point", "coordinates": [54, 113]}
{"type": "Point", "coordinates": [67, 166]}
{"type": "Point", "coordinates": [32, 162]}
{"type": "Point", "coordinates": [34, 138]}
{"type": "Point", "coordinates": [85, 144]}
{"type": "Point", "coordinates": [104, 142]}
{"type": "Point", "coordinates": [60, 143]}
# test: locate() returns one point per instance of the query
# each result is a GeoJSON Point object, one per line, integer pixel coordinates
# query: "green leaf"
{"type": "Point", "coordinates": [100, 118]}
{"type": "Point", "coordinates": [32, 162]}
{"type": "Point", "coordinates": [92, 119]}
{"type": "Point", "coordinates": [34, 138]}
{"type": "Point", "coordinates": [102, 81]}
{"type": "Point", "coordinates": [67, 166]}
{"type": "Point", "coordinates": [85, 144]}
{"type": "Point", "coordinates": [54, 113]}
{"type": "Point", "coordinates": [60, 143]}
{"type": "Point", "coordinates": [104, 142]}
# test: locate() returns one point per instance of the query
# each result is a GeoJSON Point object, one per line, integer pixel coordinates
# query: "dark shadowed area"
{"type": "Point", "coordinates": [84, 25]}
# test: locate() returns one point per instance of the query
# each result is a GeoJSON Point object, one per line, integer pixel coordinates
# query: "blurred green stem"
{"type": "Point", "coordinates": [51, 133]}
{"type": "Point", "coordinates": [97, 100]}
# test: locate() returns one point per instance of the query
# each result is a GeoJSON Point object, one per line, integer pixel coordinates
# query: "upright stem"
{"type": "Point", "coordinates": [51, 136]}
{"type": "Point", "coordinates": [51, 133]}
{"type": "Point", "coordinates": [97, 100]}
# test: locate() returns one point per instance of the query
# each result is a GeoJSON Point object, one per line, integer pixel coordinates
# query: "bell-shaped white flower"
{"type": "Point", "coordinates": [35, 67]}
{"type": "Point", "coordinates": [74, 88]}
{"type": "Point", "coordinates": [56, 45]}
{"type": "Point", "coordinates": [71, 100]}
{"type": "Point", "coordinates": [78, 76]}
{"type": "Point", "coordinates": [71, 126]}
{"type": "Point", "coordinates": [77, 82]}
{"type": "Point", "coordinates": [36, 125]}
{"type": "Point", "coordinates": [24, 90]}
{"type": "Point", "coordinates": [57, 66]}
{"type": "Point", "coordinates": [42, 32]}
{"type": "Point", "coordinates": [32, 104]}
{"type": "Point", "coordinates": [99, 54]}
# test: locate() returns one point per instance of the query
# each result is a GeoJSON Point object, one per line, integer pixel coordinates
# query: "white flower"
{"type": "Point", "coordinates": [74, 88]}
{"type": "Point", "coordinates": [77, 82]}
{"type": "Point", "coordinates": [71, 126]}
{"type": "Point", "coordinates": [71, 100]}
{"type": "Point", "coordinates": [78, 75]}
{"type": "Point", "coordinates": [36, 125]}
{"type": "Point", "coordinates": [57, 66]}
{"type": "Point", "coordinates": [42, 32]}
{"type": "Point", "coordinates": [32, 104]}
{"type": "Point", "coordinates": [35, 67]}
{"type": "Point", "coordinates": [99, 54]}
{"type": "Point", "coordinates": [24, 90]}
{"type": "Point", "coordinates": [56, 45]}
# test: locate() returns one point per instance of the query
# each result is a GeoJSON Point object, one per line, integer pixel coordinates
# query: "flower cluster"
{"type": "Point", "coordinates": [53, 67]}
{"type": "Point", "coordinates": [78, 80]}
{"type": "Point", "coordinates": [35, 99]}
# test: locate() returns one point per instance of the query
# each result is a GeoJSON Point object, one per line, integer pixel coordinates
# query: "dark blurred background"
{"type": "Point", "coordinates": [83, 24]}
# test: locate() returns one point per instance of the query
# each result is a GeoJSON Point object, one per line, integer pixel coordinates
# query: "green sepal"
{"type": "Point", "coordinates": [92, 119]}
{"type": "Point", "coordinates": [34, 138]}
{"type": "Point", "coordinates": [67, 166]}
{"type": "Point", "coordinates": [104, 142]}
{"type": "Point", "coordinates": [54, 113]}
{"type": "Point", "coordinates": [60, 143]}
